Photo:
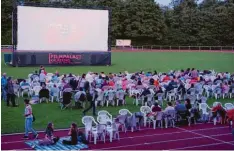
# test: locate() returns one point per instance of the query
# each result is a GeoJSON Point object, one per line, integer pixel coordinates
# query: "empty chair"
{"type": "Point", "coordinates": [120, 97]}
{"type": "Point", "coordinates": [229, 106]}
{"type": "Point", "coordinates": [145, 110]}
{"type": "Point", "coordinates": [205, 110]}
{"type": "Point", "coordinates": [103, 112]}
{"type": "Point", "coordinates": [36, 90]}
{"type": "Point", "coordinates": [89, 122]}
{"type": "Point", "coordinates": [99, 132]}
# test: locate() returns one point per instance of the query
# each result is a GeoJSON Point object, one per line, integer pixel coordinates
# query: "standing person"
{"type": "Point", "coordinates": [10, 93]}
{"type": "Point", "coordinates": [3, 87]}
{"type": "Point", "coordinates": [73, 133]}
{"type": "Point", "coordinates": [42, 78]}
{"type": "Point", "coordinates": [28, 114]}
{"type": "Point", "coordinates": [41, 68]}
{"type": "Point", "coordinates": [91, 98]}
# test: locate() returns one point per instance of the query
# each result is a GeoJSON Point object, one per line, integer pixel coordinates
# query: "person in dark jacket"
{"type": "Point", "coordinates": [10, 93]}
{"type": "Point", "coordinates": [91, 98]}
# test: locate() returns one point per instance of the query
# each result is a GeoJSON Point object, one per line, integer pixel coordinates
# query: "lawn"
{"type": "Point", "coordinates": [13, 120]}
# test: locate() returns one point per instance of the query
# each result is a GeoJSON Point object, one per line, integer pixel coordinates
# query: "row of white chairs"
{"type": "Point", "coordinates": [105, 125]}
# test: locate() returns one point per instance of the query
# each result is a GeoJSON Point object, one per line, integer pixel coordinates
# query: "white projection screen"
{"type": "Point", "coordinates": [61, 29]}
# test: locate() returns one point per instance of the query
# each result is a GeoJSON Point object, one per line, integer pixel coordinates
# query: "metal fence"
{"type": "Point", "coordinates": [155, 47]}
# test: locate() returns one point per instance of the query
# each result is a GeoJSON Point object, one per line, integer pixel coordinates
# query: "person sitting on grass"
{"type": "Point", "coordinates": [49, 139]}
{"type": "Point", "coordinates": [73, 133]}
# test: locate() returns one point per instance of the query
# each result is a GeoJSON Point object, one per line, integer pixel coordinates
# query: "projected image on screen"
{"type": "Point", "coordinates": [59, 29]}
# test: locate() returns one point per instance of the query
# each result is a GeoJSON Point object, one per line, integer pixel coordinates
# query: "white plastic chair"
{"type": "Point", "coordinates": [120, 97]}
{"type": "Point", "coordinates": [225, 93]}
{"type": "Point", "coordinates": [88, 121]}
{"type": "Point", "coordinates": [99, 131]}
{"type": "Point", "coordinates": [125, 112]}
{"type": "Point", "coordinates": [55, 95]}
{"type": "Point", "coordinates": [145, 110]}
{"type": "Point", "coordinates": [205, 109]}
{"type": "Point", "coordinates": [36, 90]}
{"type": "Point", "coordinates": [110, 97]}
{"type": "Point", "coordinates": [25, 89]}
{"type": "Point", "coordinates": [103, 112]}
{"type": "Point", "coordinates": [100, 98]}
{"type": "Point", "coordinates": [229, 106]}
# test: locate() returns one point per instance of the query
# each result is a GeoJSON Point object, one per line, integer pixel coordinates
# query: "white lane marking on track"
{"type": "Point", "coordinates": [205, 136]}
{"type": "Point", "coordinates": [157, 142]}
{"type": "Point", "coordinates": [11, 142]}
{"type": "Point", "coordinates": [197, 146]}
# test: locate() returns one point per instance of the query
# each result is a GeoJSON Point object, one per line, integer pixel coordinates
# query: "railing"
{"type": "Point", "coordinates": [155, 47]}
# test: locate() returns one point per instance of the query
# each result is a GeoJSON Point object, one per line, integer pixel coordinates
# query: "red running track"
{"type": "Point", "coordinates": [196, 137]}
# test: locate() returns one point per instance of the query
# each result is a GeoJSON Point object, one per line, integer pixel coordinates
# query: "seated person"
{"type": "Point", "coordinates": [73, 133]}
{"type": "Point", "coordinates": [180, 107]}
{"type": "Point", "coordinates": [169, 107]}
{"type": "Point", "coordinates": [34, 75]}
{"type": "Point", "coordinates": [49, 139]}
{"type": "Point", "coordinates": [24, 83]}
{"type": "Point", "coordinates": [55, 79]}
{"type": "Point", "coordinates": [80, 97]}
{"type": "Point", "coordinates": [67, 86]}
{"type": "Point", "coordinates": [156, 108]}
{"type": "Point", "coordinates": [70, 75]}
{"type": "Point", "coordinates": [82, 138]}
{"type": "Point", "coordinates": [54, 90]}
{"type": "Point", "coordinates": [44, 92]}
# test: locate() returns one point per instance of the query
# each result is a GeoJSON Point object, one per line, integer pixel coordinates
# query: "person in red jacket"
{"type": "Point", "coordinates": [219, 110]}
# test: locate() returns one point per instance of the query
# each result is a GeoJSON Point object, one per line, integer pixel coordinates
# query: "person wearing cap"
{"type": "Point", "coordinates": [3, 87]}
{"type": "Point", "coordinates": [10, 92]}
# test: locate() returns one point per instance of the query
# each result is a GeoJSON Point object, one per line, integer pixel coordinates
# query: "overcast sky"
{"type": "Point", "coordinates": [163, 2]}
{"type": "Point", "coordinates": [166, 2]}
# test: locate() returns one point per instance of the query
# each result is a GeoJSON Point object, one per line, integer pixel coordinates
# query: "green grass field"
{"type": "Point", "coordinates": [13, 120]}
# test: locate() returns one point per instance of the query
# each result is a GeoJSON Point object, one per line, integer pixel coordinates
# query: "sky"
{"type": "Point", "coordinates": [167, 2]}
{"type": "Point", "coordinates": [163, 2]}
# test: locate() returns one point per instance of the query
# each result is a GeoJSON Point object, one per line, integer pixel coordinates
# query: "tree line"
{"type": "Point", "coordinates": [145, 22]}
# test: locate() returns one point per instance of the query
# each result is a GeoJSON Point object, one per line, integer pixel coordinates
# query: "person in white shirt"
{"type": "Point", "coordinates": [42, 78]}
{"type": "Point", "coordinates": [28, 114]}
{"type": "Point", "coordinates": [169, 107]}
